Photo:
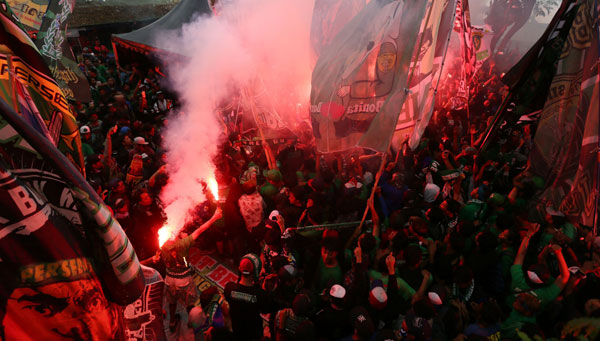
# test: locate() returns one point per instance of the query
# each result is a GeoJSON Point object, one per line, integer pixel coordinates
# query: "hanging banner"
{"type": "Point", "coordinates": [565, 148]}
{"type": "Point", "coordinates": [29, 12]}
{"type": "Point", "coordinates": [359, 82]}
{"type": "Point", "coordinates": [52, 43]}
{"type": "Point", "coordinates": [21, 62]}
{"type": "Point", "coordinates": [329, 17]}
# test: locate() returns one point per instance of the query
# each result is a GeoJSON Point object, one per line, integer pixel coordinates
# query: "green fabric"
{"type": "Point", "coordinates": [507, 258]}
{"type": "Point", "coordinates": [515, 321]}
{"type": "Point", "coordinates": [86, 149]}
{"type": "Point", "coordinates": [567, 229]}
{"type": "Point", "coordinates": [329, 275]}
{"type": "Point", "coordinates": [518, 284]}
{"type": "Point", "coordinates": [268, 190]}
{"type": "Point", "coordinates": [404, 290]}
{"type": "Point", "coordinates": [181, 248]}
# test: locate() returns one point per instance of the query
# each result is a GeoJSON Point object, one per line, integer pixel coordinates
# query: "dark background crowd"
{"type": "Point", "coordinates": [451, 252]}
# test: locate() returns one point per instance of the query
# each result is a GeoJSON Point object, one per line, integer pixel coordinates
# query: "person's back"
{"type": "Point", "coordinates": [246, 301]}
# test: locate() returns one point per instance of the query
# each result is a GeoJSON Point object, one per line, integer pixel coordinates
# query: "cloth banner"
{"type": "Point", "coordinates": [30, 13]}
{"type": "Point", "coordinates": [52, 42]}
{"type": "Point", "coordinates": [482, 39]}
{"type": "Point", "coordinates": [329, 17]}
{"type": "Point", "coordinates": [21, 62]}
{"type": "Point", "coordinates": [62, 251]}
{"type": "Point", "coordinates": [360, 80]}
{"type": "Point", "coordinates": [566, 143]}
{"type": "Point", "coordinates": [529, 80]}
{"type": "Point", "coordinates": [427, 69]}
{"type": "Point", "coordinates": [463, 26]}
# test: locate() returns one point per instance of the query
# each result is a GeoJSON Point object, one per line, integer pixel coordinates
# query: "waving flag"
{"type": "Point", "coordinates": [329, 17]}
{"type": "Point", "coordinates": [52, 42]}
{"type": "Point", "coordinates": [20, 61]}
{"type": "Point", "coordinates": [359, 82]}
{"type": "Point", "coordinates": [565, 149]}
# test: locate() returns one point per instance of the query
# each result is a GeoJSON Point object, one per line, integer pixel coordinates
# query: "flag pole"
{"type": "Point", "coordinates": [268, 154]}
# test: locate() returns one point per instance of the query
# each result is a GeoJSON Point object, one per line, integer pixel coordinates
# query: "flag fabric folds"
{"type": "Point", "coordinates": [362, 78]}
{"type": "Point", "coordinates": [427, 69]}
{"type": "Point", "coordinates": [529, 79]}
{"type": "Point", "coordinates": [21, 62]}
{"type": "Point", "coordinates": [565, 147]}
{"type": "Point", "coordinates": [329, 17]}
{"type": "Point", "coordinates": [52, 42]}
{"type": "Point", "coordinates": [29, 13]}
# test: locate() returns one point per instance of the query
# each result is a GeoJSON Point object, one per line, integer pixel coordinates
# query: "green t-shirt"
{"type": "Point", "coordinates": [404, 289]}
{"type": "Point", "coordinates": [268, 191]}
{"type": "Point", "coordinates": [329, 275]}
{"type": "Point", "coordinates": [515, 321]}
{"type": "Point", "coordinates": [178, 262]}
{"type": "Point", "coordinates": [86, 149]}
{"type": "Point", "coordinates": [518, 285]}
{"type": "Point", "coordinates": [567, 229]}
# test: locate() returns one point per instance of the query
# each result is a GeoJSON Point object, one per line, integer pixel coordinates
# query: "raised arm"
{"type": "Point", "coordinates": [533, 228]}
{"type": "Point", "coordinates": [563, 278]}
{"type": "Point", "coordinates": [216, 216]}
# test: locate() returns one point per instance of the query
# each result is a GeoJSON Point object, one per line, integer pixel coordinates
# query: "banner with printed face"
{"type": "Point", "coordinates": [359, 82]}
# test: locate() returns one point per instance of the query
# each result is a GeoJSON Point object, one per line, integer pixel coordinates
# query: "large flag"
{"type": "Point", "coordinates": [360, 81]}
{"type": "Point", "coordinates": [463, 25]}
{"type": "Point", "coordinates": [530, 78]}
{"type": "Point", "coordinates": [52, 42]}
{"type": "Point", "coordinates": [427, 69]}
{"type": "Point", "coordinates": [22, 65]}
{"type": "Point", "coordinates": [565, 147]}
{"type": "Point", "coordinates": [329, 17]}
{"type": "Point", "coordinates": [65, 259]}
{"type": "Point", "coordinates": [482, 39]}
{"type": "Point", "coordinates": [30, 13]}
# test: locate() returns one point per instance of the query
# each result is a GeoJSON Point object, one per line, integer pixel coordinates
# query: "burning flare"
{"type": "Point", "coordinates": [168, 231]}
{"type": "Point", "coordinates": [213, 187]}
{"type": "Point", "coordinates": [164, 234]}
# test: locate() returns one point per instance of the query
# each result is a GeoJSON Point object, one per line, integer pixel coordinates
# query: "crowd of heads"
{"type": "Point", "coordinates": [450, 246]}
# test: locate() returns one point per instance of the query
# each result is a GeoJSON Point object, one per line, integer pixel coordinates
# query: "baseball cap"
{"type": "Point", "coordinates": [431, 193]}
{"type": "Point", "coordinates": [124, 130]}
{"type": "Point", "coordinates": [337, 291]}
{"type": "Point", "coordinates": [246, 266]}
{"type": "Point", "coordinates": [362, 322]}
{"type": "Point", "coordinates": [378, 297]}
{"type": "Point", "coordinates": [274, 214]}
{"type": "Point", "coordinates": [139, 140]}
{"type": "Point", "coordinates": [84, 130]}
{"type": "Point", "coordinates": [250, 264]}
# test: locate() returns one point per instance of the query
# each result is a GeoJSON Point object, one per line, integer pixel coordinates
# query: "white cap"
{"type": "Point", "coordinates": [274, 215]}
{"type": "Point", "coordinates": [84, 130]}
{"type": "Point", "coordinates": [139, 140]}
{"type": "Point", "coordinates": [337, 291]}
{"type": "Point", "coordinates": [534, 277]}
{"type": "Point", "coordinates": [431, 192]}
{"type": "Point", "coordinates": [434, 298]}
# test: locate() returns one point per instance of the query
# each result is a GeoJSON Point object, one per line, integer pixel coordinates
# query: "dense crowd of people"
{"type": "Point", "coordinates": [451, 250]}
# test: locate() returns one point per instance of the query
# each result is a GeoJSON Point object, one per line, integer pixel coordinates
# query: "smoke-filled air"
{"type": "Point", "coordinates": [249, 48]}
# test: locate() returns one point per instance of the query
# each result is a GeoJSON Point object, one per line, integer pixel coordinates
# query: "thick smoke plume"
{"type": "Point", "coordinates": [250, 43]}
